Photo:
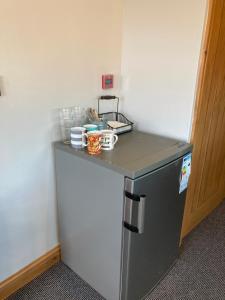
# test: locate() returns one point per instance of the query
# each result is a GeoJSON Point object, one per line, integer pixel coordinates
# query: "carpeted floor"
{"type": "Point", "coordinates": [198, 274]}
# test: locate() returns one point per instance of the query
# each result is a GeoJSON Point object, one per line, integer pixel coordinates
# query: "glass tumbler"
{"type": "Point", "coordinates": [79, 115]}
{"type": "Point", "coordinates": [67, 121]}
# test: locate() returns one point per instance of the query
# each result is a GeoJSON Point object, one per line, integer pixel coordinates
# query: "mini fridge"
{"type": "Point", "coordinates": [120, 214]}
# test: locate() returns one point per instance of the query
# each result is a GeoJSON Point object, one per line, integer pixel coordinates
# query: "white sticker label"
{"type": "Point", "coordinates": [185, 172]}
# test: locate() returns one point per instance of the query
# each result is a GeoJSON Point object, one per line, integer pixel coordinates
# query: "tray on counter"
{"type": "Point", "coordinates": [117, 122]}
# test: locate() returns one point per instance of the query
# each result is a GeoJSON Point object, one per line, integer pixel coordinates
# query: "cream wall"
{"type": "Point", "coordinates": [161, 44]}
{"type": "Point", "coordinates": [52, 54]}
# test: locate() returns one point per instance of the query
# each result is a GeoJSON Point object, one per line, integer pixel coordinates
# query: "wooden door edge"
{"type": "Point", "coordinates": [200, 75]}
{"type": "Point", "coordinates": [202, 62]}
{"type": "Point", "coordinates": [29, 272]}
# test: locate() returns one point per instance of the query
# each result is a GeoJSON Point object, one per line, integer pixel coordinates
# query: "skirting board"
{"type": "Point", "coordinates": [28, 273]}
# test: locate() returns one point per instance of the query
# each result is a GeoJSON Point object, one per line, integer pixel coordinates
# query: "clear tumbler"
{"type": "Point", "coordinates": [70, 117]}
{"type": "Point", "coordinates": [67, 121]}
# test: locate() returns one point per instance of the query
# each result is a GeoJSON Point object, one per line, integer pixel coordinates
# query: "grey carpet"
{"type": "Point", "coordinates": [198, 274]}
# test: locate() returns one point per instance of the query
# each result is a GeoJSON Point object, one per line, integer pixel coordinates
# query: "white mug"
{"type": "Point", "coordinates": [109, 139]}
{"type": "Point", "coordinates": [77, 135]}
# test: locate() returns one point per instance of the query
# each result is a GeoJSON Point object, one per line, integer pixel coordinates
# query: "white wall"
{"type": "Point", "coordinates": [161, 44]}
{"type": "Point", "coordinates": [52, 53]}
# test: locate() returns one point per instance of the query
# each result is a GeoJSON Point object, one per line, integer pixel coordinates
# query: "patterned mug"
{"type": "Point", "coordinates": [109, 139]}
{"type": "Point", "coordinates": [94, 142]}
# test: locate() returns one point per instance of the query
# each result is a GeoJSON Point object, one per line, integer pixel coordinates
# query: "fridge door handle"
{"type": "Point", "coordinates": [134, 212]}
{"type": "Point", "coordinates": [141, 214]}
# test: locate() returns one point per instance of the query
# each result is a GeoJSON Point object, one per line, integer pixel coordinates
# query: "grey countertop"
{"type": "Point", "coordinates": [135, 154]}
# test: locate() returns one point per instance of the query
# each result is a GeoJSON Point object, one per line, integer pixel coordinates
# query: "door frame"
{"type": "Point", "coordinates": [207, 27]}
{"type": "Point", "coordinates": [199, 99]}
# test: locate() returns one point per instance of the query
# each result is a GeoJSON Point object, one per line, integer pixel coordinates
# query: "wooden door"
{"type": "Point", "coordinates": [207, 181]}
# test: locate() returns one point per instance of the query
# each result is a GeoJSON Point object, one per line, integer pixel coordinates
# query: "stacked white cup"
{"type": "Point", "coordinates": [77, 135]}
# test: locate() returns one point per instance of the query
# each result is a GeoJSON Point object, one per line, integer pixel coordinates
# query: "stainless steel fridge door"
{"type": "Point", "coordinates": [153, 212]}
